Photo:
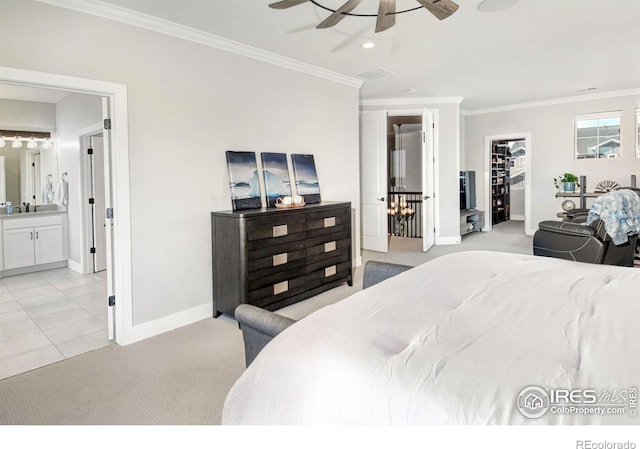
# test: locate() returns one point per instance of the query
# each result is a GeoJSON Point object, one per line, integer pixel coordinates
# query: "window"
{"type": "Point", "coordinates": [597, 136]}
{"type": "Point", "coordinates": [637, 132]}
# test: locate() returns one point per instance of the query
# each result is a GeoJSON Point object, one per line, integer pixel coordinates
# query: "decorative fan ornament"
{"type": "Point", "coordinates": [386, 11]}
{"type": "Point", "coordinates": [607, 186]}
{"type": "Point", "coordinates": [568, 205]}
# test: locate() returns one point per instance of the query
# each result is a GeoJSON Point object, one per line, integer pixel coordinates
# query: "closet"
{"type": "Point", "coordinates": [500, 181]}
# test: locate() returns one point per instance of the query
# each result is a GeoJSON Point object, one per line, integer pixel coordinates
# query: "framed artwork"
{"type": "Point", "coordinates": [306, 177]}
{"type": "Point", "coordinates": [275, 170]}
{"type": "Point", "coordinates": [243, 180]}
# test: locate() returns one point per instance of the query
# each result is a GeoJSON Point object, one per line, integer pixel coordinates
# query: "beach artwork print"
{"type": "Point", "coordinates": [306, 177]}
{"type": "Point", "coordinates": [275, 170]}
{"type": "Point", "coordinates": [243, 180]}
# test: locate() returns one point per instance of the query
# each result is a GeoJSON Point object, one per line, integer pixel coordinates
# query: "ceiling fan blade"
{"type": "Point", "coordinates": [337, 16]}
{"type": "Point", "coordinates": [439, 8]}
{"type": "Point", "coordinates": [284, 4]}
{"type": "Point", "coordinates": [386, 15]}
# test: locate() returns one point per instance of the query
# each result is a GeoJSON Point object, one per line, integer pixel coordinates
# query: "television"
{"type": "Point", "coordinates": [467, 190]}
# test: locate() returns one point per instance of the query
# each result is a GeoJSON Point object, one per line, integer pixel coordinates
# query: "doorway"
{"type": "Point", "coordinates": [508, 178]}
{"type": "Point", "coordinates": [398, 178]}
{"type": "Point", "coordinates": [114, 107]}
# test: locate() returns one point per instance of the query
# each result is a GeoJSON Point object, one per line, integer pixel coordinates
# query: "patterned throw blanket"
{"type": "Point", "coordinates": [620, 212]}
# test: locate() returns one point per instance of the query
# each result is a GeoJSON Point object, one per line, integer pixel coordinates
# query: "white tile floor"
{"type": "Point", "coordinates": [48, 316]}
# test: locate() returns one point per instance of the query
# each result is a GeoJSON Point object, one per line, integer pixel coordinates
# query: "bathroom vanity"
{"type": "Point", "coordinates": [33, 241]}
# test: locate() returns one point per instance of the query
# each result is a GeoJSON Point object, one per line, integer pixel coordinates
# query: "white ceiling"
{"type": "Point", "coordinates": [536, 50]}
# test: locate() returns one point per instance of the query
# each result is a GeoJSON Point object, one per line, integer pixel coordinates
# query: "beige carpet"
{"type": "Point", "coordinates": [183, 376]}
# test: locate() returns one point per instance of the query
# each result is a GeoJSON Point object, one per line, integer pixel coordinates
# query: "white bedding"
{"type": "Point", "coordinates": [452, 341]}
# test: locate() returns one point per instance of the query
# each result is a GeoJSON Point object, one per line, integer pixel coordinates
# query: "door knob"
{"type": "Point", "coordinates": [426, 197]}
{"type": "Point", "coordinates": [381, 199]}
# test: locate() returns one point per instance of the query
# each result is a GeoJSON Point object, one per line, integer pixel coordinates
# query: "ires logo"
{"type": "Point", "coordinates": [534, 402]}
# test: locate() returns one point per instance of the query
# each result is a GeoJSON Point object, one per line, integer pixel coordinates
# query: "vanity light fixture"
{"type": "Point", "coordinates": [31, 143]}
{"type": "Point", "coordinates": [47, 145]}
{"type": "Point", "coordinates": [17, 143]}
{"type": "Point", "coordinates": [3, 143]}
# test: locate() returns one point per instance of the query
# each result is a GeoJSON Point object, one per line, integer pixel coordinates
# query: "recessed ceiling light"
{"type": "Point", "coordinates": [368, 45]}
{"type": "Point", "coordinates": [495, 5]}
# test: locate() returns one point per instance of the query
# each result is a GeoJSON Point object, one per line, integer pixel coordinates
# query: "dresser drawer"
{"type": "Point", "coordinates": [338, 257]}
{"type": "Point", "coordinates": [328, 274]}
{"type": "Point", "coordinates": [296, 268]}
{"type": "Point", "coordinates": [281, 258]}
{"type": "Point", "coordinates": [327, 250]}
{"type": "Point", "coordinates": [278, 291]}
{"type": "Point", "coordinates": [259, 251]}
{"type": "Point", "coordinates": [275, 227]}
{"type": "Point", "coordinates": [328, 219]}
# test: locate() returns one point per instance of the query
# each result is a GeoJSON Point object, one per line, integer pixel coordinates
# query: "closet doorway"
{"type": "Point", "coordinates": [508, 180]}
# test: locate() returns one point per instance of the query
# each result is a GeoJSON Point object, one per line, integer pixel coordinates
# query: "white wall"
{"type": "Point", "coordinates": [187, 104]}
{"type": "Point", "coordinates": [412, 142]}
{"type": "Point", "coordinates": [447, 214]}
{"type": "Point", "coordinates": [74, 112]}
{"type": "Point", "coordinates": [552, 148]}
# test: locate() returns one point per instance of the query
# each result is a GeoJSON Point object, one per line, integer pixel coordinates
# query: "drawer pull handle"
{"type": "Point", "coordinates": [329, 246]}
{"type": "Point", "coordinates": [330, 271]}
{"type": "Point", "coordinates": [329, 222]}
{"type": "Point", "coordinates": [280, 287]}
{"type": "Point", "coordinates": [279, 259]}
{"type": "Point", "coordinates": [279, 231]}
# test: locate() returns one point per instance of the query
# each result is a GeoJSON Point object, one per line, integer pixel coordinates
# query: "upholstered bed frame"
{"type": "Point", "coordinates": [260, 326]}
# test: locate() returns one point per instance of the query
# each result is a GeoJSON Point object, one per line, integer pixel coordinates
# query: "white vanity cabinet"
{"type": "Point", "coordinates": [34, 242]}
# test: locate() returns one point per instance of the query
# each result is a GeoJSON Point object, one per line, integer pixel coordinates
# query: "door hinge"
{"type": "Point", "coordinates": [89, 150]}
{"type": "Point", "coordinates": [92, 250]}
{"type": "Point", "coordinates": [433, 125]}
{"type": "Point", "coordinates": [112, 300]}
{"type": "Point", "coordinates": [33, 164]}
{"type": "Point", "coordinates": [109, 212]}
{"type": "Point", "coordinates": [107, 123]}
{"type": "Point", "coordinates": [424, 137]}
{"type": "Point", "coordinates": [92, 200]}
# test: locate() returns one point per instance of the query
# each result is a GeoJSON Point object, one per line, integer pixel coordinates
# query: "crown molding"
{"type": "Point", "coordinates": [410, 101]}
{"type": "Point", "coordinates": [553, 102]}
{"type": "Point", "coordinates": [130, 17]}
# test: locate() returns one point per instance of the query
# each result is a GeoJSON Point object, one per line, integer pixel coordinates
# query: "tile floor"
{"type": "Point", "coordinates": [48, 316]}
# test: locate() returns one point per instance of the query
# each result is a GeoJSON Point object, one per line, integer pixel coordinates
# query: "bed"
{"type": "Point", "coordinates": [468, 338]}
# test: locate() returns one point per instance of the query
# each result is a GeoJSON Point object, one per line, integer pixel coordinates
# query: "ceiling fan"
{"type": "Point", "coordinates": [386, 11]}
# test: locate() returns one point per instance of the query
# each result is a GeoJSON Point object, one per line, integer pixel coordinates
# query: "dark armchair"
{"type": "Point", "coordinates": [260, 326]}
{"type": "Point", "coordinates": [573, 240]}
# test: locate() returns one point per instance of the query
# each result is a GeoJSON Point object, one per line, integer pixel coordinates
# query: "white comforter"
{"type": "Point", "coordinates": [452, 341]}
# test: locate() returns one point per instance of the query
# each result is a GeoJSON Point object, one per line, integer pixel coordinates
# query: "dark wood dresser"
{"type": "Point", "coordinates": [272, 258]}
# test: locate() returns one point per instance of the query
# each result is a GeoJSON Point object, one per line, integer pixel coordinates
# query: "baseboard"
{"type": "Point", "coordinates": [357, 261]}
{"type": "Point", "coordinates": [516, 217]}
{"type": "Point", "coordinates": [456, 240]}
{"type": "Point", "coordinates": [170, 322]}
{"type": "Point", "coordinates": [75, 266]}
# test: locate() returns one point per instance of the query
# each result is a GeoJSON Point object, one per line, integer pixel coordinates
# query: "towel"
{"type": "Point", "coordinates": [63, 192]}
{"type": "Point", "coordinates": [47, 192]}
{"type": "Point", "coordinates": [620, 212]}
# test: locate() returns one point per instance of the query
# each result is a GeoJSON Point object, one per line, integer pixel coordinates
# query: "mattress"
{"type": "Point", "coordinates": [468, 338]}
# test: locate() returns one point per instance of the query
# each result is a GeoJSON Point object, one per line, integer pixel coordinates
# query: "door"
{"type": "Point", "coordinates": [97, 187]}
{"type": "Point", "coordinates": [373, 153]}
{"type": "Point", "coordinates": [106, 149]}
{"type": "Point", "coordinates": [428, 201]}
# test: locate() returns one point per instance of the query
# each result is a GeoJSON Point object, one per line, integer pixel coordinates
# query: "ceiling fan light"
{"type": "Point", "coordinates": [368, 45]}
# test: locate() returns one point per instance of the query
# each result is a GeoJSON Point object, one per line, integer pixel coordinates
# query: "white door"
{"type": "Point", "coordinates": [373, 154]}
{"type": "Point", "coordinates": [98, 218]}
{"type": "Point", "coordinates": [106, 147]}
{"type": "Point", "coordinates": [428, 201]}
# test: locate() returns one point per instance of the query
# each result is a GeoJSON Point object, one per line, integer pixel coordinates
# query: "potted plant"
{"type": "Point", "coordinates": [568, 182]}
